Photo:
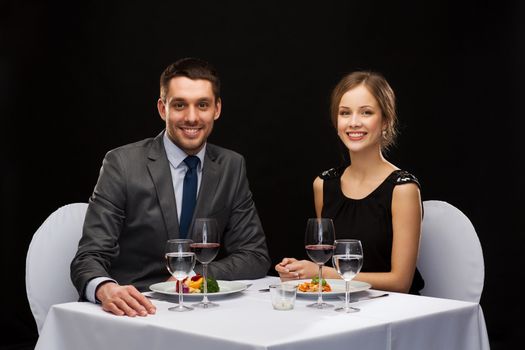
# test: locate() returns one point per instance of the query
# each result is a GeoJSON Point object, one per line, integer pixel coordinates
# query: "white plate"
{"type": "Point", "coordinates": [338, 287]}
{"type": "Point", "coordinates": [225, 287]}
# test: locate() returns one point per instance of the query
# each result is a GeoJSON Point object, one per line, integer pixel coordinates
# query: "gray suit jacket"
{"type": "Point", "coordinates": [132, 213]}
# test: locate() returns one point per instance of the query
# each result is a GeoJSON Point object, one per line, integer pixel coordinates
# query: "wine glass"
{"type": "Point", "coordinates": [180, 261]}
{"type": "Point", "coordinates": [205, 246]}
{"type": "Point", "coordinates": [319, 240]}
{"type": "Point", "coordinates": [347, 260]}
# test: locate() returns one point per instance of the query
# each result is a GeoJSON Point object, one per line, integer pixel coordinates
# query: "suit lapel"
{"type": "Point", "coordinates": [210, 178]}
{"type": "Point", "coordinates": [159, 170]}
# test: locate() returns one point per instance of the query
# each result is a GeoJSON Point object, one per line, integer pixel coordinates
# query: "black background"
{"type": "Point", "coordinates": [77, 80]}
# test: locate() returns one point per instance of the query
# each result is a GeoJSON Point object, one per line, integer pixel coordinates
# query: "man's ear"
{"type": "Point", "coordinates": [161, 107]}
{"type": "Point", "coordinates": [218, 107]}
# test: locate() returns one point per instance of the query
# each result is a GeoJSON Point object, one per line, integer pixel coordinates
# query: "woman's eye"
{"type": "Point", "coordinates": [344, 113]}
{"type": "Point", "coordinates": [367, 112]}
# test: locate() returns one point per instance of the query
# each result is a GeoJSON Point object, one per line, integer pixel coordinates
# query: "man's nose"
{"type": "Point", "coordinates": [192, 114]}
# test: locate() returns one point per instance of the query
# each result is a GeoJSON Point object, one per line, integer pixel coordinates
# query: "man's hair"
{"type": "Point", "coordinates": [380, 89]}
{"type": "Point", "coordinates": [192, 68]}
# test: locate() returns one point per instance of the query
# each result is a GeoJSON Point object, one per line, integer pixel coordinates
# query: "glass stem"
{"type": "Point", "coordinates": [320, 289]}
{"type": "Point", "coordinates": [347, 295]}
{"type": "Point", "coordinates": [204, 274]}
{"type": "Point", "coordinates": [180, 294]}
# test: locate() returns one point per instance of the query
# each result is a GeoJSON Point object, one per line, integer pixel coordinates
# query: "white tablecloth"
{"type": "Point", "coordinates": [247, 320]}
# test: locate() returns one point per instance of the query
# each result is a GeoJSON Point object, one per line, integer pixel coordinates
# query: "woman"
{"type": "Point", "coordinates": [371, 199]}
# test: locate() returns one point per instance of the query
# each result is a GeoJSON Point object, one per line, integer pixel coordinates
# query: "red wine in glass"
{"type": "Point", "coordinates": [319, 245]}
{"type": "Point", "coordinates": [319, 253]}
{"type": "Point", "coordinates": [205, 252]}
{"type": "Point", "coordinates": [206, 245]}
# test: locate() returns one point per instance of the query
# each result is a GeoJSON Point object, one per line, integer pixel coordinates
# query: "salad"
{"type": "Point", "coordinates": [195, 284]}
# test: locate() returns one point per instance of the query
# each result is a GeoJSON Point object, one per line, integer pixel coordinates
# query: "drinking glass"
{"type": "Point", "coordinates": [205, 246]}
{"type": "Point", "coordinates": [319, 244]}
{"type": "Point", "coordinates": [180, 261]}
{"type": "Point", "coordinates": [347, 260]}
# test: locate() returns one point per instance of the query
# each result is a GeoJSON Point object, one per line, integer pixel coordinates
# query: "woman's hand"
{"type": "Point", "coordinates": [292, 269]}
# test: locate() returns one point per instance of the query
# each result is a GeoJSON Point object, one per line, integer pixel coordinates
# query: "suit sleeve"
{"type": "Point", "coordinates": [243, 240]}
{"type": "Point", "coordinates": [102, 226]}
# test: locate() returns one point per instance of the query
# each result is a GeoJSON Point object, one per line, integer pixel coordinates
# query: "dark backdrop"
{"type": "Point", "coordinates": [77, 80]}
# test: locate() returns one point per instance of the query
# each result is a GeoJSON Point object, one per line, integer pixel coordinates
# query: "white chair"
{"type": "Point", "coordinates": [450, 256]}
{"type": "Point", "coordinates": [52, 248]}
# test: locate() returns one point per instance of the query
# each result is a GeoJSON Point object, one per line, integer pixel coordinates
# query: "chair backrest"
{"type": "Point", "coordinates": [52, 248]}
{"type": "Point", "coordinates": [450, 256]}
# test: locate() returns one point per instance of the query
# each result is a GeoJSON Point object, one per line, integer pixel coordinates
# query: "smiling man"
{"type": "Point", "coordinates": [144, 197]}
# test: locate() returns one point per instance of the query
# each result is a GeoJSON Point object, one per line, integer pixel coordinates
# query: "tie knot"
{"type": "Point", "coordinates": [192, 162]}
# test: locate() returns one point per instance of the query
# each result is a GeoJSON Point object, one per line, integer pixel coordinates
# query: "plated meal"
{"type": "Point", "coordinates": [313, 286]}
{"type": "Point", "coordinates": [224, 288]}
{"type": "Point", "coordinates": [195, 284]}
{"type": "Point", "coordinates": [331, 287]}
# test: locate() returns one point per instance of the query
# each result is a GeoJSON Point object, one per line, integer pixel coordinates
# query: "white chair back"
{"type": "Point", "coordinates": [50, 252]}
{"type": "Point", "coordinates": [450, 256]}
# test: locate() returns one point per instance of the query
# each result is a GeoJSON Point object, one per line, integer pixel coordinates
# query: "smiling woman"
{"type": "Point", "coordinates": [369, 199]}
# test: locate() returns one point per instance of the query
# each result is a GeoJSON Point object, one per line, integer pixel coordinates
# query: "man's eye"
{"type": "Point", "coordinates": [178, 105]}
{"type": "Point", "coordinates": [203, 105]}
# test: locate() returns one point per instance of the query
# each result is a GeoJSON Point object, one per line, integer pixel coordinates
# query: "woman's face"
{"type": "Point", "coordinates": [359, 120]}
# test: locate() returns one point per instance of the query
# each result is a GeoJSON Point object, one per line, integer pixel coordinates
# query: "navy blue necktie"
{"type": "Point", "coordinates": [189, 195]}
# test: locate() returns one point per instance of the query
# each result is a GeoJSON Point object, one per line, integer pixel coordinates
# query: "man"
{"type": "Point", "coordinates": [140, 200]}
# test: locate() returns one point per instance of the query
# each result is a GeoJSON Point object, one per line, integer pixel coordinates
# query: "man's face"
{"type": "Point", "coordinates": [189, 111]}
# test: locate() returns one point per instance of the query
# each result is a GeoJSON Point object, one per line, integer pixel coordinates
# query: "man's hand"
{"type": "Point", "coordinates": [124, 300]}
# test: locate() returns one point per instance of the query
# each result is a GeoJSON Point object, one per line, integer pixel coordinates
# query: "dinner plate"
{"type": "Point", "coordinates": [338, 287]}
{"type": "Point", "coordinates": [225, 287]}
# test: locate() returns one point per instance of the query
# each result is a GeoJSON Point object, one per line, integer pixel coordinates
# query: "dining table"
{"type": "Point", "coordinates": [247, 320]}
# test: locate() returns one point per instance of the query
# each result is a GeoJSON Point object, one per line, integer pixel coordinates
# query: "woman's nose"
{"type": "Point", "coordinates": [354, 120]}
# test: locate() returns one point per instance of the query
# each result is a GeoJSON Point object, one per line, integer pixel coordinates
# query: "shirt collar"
{"type": "Point", "coordinates": [176, 156]}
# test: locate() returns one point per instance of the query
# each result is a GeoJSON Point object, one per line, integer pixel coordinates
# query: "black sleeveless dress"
{"type": "Point", "coordinates": [368, 219]}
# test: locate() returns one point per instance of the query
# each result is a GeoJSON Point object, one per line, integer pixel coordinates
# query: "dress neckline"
{"type": "Point", "coordinates": [369, 194]}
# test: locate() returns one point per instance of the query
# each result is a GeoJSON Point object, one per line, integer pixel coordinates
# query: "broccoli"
{"type": "Point", "coordinates": [213, 286]}
{"type": "Point", "coordinates": [315, 280]}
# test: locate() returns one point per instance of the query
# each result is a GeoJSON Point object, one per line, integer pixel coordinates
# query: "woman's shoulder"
{"type": "Point", "coordinates": [401, 177]}
{"type": "Point", "coordinates": [332, 173]}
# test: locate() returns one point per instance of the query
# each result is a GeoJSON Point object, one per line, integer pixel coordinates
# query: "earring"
{"type": "Point", "coordinates": [384, 134]}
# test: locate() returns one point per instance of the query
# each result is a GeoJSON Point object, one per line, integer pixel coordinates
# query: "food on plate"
{"type": "Point", "coordinates": [195, 284]}
{"type": "Point", "coordinates": [313, 286]}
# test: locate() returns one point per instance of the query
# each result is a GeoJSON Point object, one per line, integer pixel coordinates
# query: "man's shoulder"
{"type": "Point", "coordinates": [220, 153]}
{"type": "Point", "coordinates": [140, 147]}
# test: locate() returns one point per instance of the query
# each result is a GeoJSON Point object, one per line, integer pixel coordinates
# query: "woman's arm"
{"type": "Point", "coordinates": [318, 196]}
{"type": "Point", "coordinates": [406, 224]}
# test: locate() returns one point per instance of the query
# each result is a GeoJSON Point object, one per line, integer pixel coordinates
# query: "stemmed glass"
{"type": "Point", "coordinates": [347, 260]}
{"type": "Point", "coordinates": [319, 240]}
{"type": "Point", "coordinates": [205, 246]}
{"type": "Point", "coordinates": [180, 261]}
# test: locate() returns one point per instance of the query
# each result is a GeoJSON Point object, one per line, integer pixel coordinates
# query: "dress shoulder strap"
{"type": "Point", "coordinates": [401, 177]}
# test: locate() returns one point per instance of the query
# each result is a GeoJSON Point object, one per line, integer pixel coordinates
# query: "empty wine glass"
{"type": "Point", "coordinates": [319, 240]}
{"type": "Point", "coordinates": [347, 260]}
{"type": "Point", "coordinates": [180, 261]}
{"type": "Point", "coordinates": [205, 246]}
